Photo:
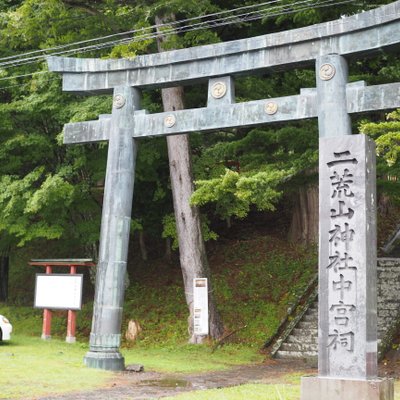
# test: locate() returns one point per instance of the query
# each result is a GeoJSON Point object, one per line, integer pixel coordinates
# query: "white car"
{"type": "Point", "coordinates": [5, 328]}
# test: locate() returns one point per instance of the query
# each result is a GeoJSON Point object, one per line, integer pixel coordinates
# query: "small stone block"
{"type": "Point", "coordinates": [45, 337]}
{"type": "Point", "coordinates": [70, 339]}
{"type": "Point", "coordinates": [134, 368]}
{"type": "Point", "coordinates": [318, 388]}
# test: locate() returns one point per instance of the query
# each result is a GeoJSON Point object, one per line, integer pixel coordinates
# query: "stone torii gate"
{"type": "Point", "coordinates": [328, 46]}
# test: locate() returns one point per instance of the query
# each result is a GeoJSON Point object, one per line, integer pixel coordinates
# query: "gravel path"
{"type": "Point", "coordinates": [151, 385]}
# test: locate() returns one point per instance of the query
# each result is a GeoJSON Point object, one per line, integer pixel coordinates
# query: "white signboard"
{"type": "Point", "coordinates": [56, 291]}
{"type": "Point", "coordinates": [200, 306]}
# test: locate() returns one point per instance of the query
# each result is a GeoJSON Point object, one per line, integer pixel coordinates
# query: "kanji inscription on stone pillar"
{"type": "Point", "coordinates": [347, 262]}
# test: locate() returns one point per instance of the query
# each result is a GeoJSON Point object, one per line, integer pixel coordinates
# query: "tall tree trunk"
{"type": "Point", "coordinates": [304, 225]}
{"type": "Point", "coordinates": [92, 251]}
{"type": "Point", "coordinates": [142, 244]}
{"type": "Point", "coordinates": [168, 251]}
{"type": "Point", "coordinates": [4, 268]}
{"type": "Point", "coordinates": [192, 253]}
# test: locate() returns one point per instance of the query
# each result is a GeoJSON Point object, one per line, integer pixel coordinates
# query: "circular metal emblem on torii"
{"type": "Point", "coordinates": [271, 108]}
{"type": "Point", "coordinates": [327, 72]}
{"type": "Point", "coordinates": [170, 121]}
{"type": "Point", "coordinates": [218, 90]}
{"type": "Point", "coordinates": [119, 101]}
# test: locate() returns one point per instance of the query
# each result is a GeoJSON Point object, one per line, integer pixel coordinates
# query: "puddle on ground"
{"type": "Point", "coordinates": [166, 383]}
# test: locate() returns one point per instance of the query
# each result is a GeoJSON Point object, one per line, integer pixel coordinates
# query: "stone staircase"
{"type": "Point", "coordinates": [303, 339]}
{"type": "Point", "coordinates": [300, 340]}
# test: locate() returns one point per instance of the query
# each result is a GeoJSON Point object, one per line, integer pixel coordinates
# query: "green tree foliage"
{"type": "Point", "coordinates": [169, 230]}
{"type": "Point", "coordinates": [47, 188]}
{"type": "Point", "coordinates": [258, 164]}
{"type": "Point", "coordinates": [387, 138]}
{"type": "Point", "coordinates": [52, 191]}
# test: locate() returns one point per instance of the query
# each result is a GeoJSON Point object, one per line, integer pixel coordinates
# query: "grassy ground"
{"type": "Point", "coordinates": [248, 392]}
{"type": "Point", "coordinates": [253, 392]}
{"type": "Point", "coordinates": [33, 367]}
{"type": "Point", "coordinates": [255, 281]}
{"type": "Point", "coordinates": [41, 368]}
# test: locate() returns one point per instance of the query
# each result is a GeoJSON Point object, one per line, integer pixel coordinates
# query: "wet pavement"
{"type": "Point", "coordinates": [152, 385]}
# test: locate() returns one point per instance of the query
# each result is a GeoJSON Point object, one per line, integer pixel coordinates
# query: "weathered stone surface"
{"type": "Point", "coordinates": [332, 77]}
{"type": "Point", "coordinates": [134, 368]}
{"type": "Point", "coordinates": [133, 331]}
{"type": "Point", "coordinates": [320, 388]}
{"type": "Point", "coordinates": [347, 258]}
{"type": "Point", "coordinates": [388, 301]}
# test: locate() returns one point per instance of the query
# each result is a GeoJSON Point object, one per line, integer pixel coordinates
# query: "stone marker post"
{"type": "Point", "coordinates": [347, 333]}
{"type": "Point", "coordinates": [105, 337]}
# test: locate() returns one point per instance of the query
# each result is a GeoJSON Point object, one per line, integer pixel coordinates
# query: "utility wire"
{"type": "Point", "coordinates": [172, 23]}
{"type": "Point", "coordinates": [233, 19]}
{"type": "Point", "coordinates": [171, 29]}
{"type": "Point", "coordinates": [250, 16]}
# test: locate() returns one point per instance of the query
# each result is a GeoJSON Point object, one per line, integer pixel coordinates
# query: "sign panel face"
{"type": "Point", "coordinates": [56, 291]}
{"type": "Point", "coordinates": [200, 306]}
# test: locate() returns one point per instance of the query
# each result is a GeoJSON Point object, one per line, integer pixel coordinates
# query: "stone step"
{"type": "Point", "coordinates": [307, 325]}
{"type": "Point", "coordinates": [390, 270]}
{"type": "Point", "coordinates": [313, 312]}
{"type": "Point", "coordinates": [305, 332]}
{"type": "Point", "coordinates": [302, 339]}
{"type": "Point", "coordinates": [293, 354]}
{"type": "Point", "coordinates": [310, 318]}
{"type": "Point", "coordinates": [295, 347]}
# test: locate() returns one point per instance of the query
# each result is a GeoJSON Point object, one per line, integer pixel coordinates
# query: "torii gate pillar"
{"type": "Point", "coordinates": [105, 337]}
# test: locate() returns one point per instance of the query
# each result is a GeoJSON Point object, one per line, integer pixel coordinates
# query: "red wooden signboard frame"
{"type": "Point", "coordinates": [48, 264]}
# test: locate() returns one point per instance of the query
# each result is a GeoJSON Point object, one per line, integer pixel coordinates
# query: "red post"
{"type": "Point", "coordinates": [47, 314]}
{"type": "Point", "coordinates": [71, 326]}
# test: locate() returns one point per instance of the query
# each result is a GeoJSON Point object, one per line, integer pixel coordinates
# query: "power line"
{"type": "Point", "coordinates": [232, 19]}
{"type": "Point", "coordinates": [173, 23]}
{"type": "Point", "coordinates": [246, 17]}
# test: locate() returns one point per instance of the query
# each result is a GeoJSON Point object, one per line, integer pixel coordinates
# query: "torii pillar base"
{"type": "Point", "coordinates": [107, 360]}
{"type": "Point", "coordinates": [318, 388]}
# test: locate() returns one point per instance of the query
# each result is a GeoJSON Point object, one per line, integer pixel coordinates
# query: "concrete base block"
{"type": "Point", "coordinates": [322, 388]}
{"type": "Point", "coordinates": [70, 339]}
{"type": "Point", "coordinates": [45, 337]}
{"type": "Point", "coordinates": [111, 361]}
